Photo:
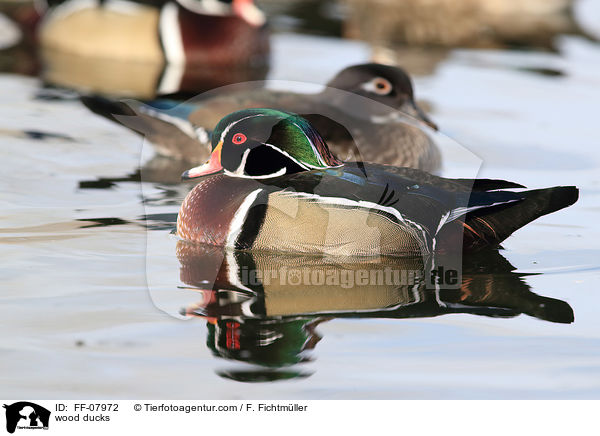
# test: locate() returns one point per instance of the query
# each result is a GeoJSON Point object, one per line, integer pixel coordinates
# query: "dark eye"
{"type": "Point", "coordinates": [381, 86]}
{"type": "Point", "coordinates": [239, 138]}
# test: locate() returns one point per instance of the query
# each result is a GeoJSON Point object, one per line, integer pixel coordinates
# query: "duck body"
{"type": "Point", "coordinates": [156, 31]}
{"type": "Point", "coordinates": [272, 184]}
{"type": "Point", "coordinates": [359, 209]}
{"type": "Point", "coordinates": [366, 113]}
{"type": "Point", "coordinates": [287, 215]}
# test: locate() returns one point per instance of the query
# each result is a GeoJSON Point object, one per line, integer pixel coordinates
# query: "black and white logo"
{"type": "Point", "coordinates": [26, 415]}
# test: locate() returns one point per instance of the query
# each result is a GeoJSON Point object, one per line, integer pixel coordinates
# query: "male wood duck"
{"type": "Point", "coordinates": [359, 113]}
{"type": "Point", "coordinates": [192, 37]}
{"type": "Point", "coordinates": [273, 185]}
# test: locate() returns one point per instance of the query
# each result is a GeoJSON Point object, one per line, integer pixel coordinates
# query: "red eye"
{"type": "Point", "coordinates": [239, 138]}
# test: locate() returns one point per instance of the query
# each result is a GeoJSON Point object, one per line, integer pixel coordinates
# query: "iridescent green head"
{"type": "Point", "coordinates": [264, 143]}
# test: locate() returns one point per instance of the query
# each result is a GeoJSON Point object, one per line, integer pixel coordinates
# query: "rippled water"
{"type": "Point", "coordinates": [79, 321]}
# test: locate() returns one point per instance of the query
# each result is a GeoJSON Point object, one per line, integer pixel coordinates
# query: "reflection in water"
{"type": "Point", "coordinates": [262, 375]}
{"type": "Point", "coordinates": [263, 308]}
{"type": "Point", "coordinates": [138, 79]}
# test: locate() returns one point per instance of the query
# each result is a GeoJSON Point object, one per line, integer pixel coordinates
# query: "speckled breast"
{"type": "Point", "coordinates": [207, 213]}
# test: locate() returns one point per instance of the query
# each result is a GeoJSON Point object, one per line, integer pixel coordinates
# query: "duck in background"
{"type": "Point", "coordinates": [145, 48]}
{"type": "Point", "coordinates": [278, 188]}
{"type": "Point", "coordinates": [366, 112]}
{"type": "Point", "coordinates": [18, 24]}
{"type": "Point", "coordinates": [466, 23]}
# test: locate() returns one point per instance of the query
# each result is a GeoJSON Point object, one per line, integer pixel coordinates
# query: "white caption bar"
{"type": "Point", "coordinates": [295, 417]}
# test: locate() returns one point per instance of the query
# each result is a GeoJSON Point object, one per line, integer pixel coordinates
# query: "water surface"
{"type": "Point", "coordinates": [79, 321]}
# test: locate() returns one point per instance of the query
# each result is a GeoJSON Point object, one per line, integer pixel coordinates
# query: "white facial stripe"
{"type": "Point", "coordinates": [228, 128]}
{"type": "Point", "coordinates": [278, 173]}
{"type": "Point", "coordinates": [315, 151]}
{"type": "Point", "coordinates": [240, 170]}
{"type": "Point", "coordinates": [301, 164]}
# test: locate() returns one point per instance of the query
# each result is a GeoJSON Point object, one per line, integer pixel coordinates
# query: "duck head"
{"type": "Point", "coordinates": [264, 143]}
{"type": "Point", "coordinates": [385, 84]}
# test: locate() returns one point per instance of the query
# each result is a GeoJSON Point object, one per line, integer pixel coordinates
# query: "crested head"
{"type": "Point", "coordinates": [264, 143]}
{"type": "Point", "coordinates": [386, 84]}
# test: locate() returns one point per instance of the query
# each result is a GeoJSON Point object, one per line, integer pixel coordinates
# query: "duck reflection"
{"type": "Point", "coordinates": [264, 308]}
{"type": "Point", "coordinates": [123, 78]}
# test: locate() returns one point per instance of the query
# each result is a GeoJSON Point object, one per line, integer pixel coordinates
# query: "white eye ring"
{"type": "Point", "coordinates": [378, 85]}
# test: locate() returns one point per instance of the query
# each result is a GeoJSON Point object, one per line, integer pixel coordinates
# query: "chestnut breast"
{"type": "Point", "coordinates": [208, 211]}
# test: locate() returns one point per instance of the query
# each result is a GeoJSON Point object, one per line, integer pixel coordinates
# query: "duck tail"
{"type": "Point", "coordinates": [108, 108]}
{"type": "Point", "coordinates": [489, 226]}
{"type": "Point", "coordinates": [163, 122]}
{"type": "Point", "coordinates": [139, 116]}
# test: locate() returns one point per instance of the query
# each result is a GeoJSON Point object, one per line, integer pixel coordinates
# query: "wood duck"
{"type": "Point", "coordinates": [273, 185]}
{"type": "Point", "coordinates": [367, 112]}
{"type": "Point", "coordinates": [189, 45]}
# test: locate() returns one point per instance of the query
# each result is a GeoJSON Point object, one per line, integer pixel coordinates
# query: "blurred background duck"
{"type": "Point", "coordinates": [452, 23]}
{"type": "Point", "coordinates": [366, 112]}
{"type": "Point", "coordinates": [147, 47]}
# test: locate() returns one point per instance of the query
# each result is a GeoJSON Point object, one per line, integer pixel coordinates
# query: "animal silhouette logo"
{"type": "Point", "coordinates": [26, 415]}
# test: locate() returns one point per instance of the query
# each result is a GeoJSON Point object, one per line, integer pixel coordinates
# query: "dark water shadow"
{"type": "Point", "coordinates": [263, 309]}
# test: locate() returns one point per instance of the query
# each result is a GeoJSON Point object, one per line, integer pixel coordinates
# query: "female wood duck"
{"type": "Point", "coordinates": [274, 185]}
{"type": "Point", "coordinates": [359, 114]}
{"type": "Point", "coordinates": [215, 35]}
